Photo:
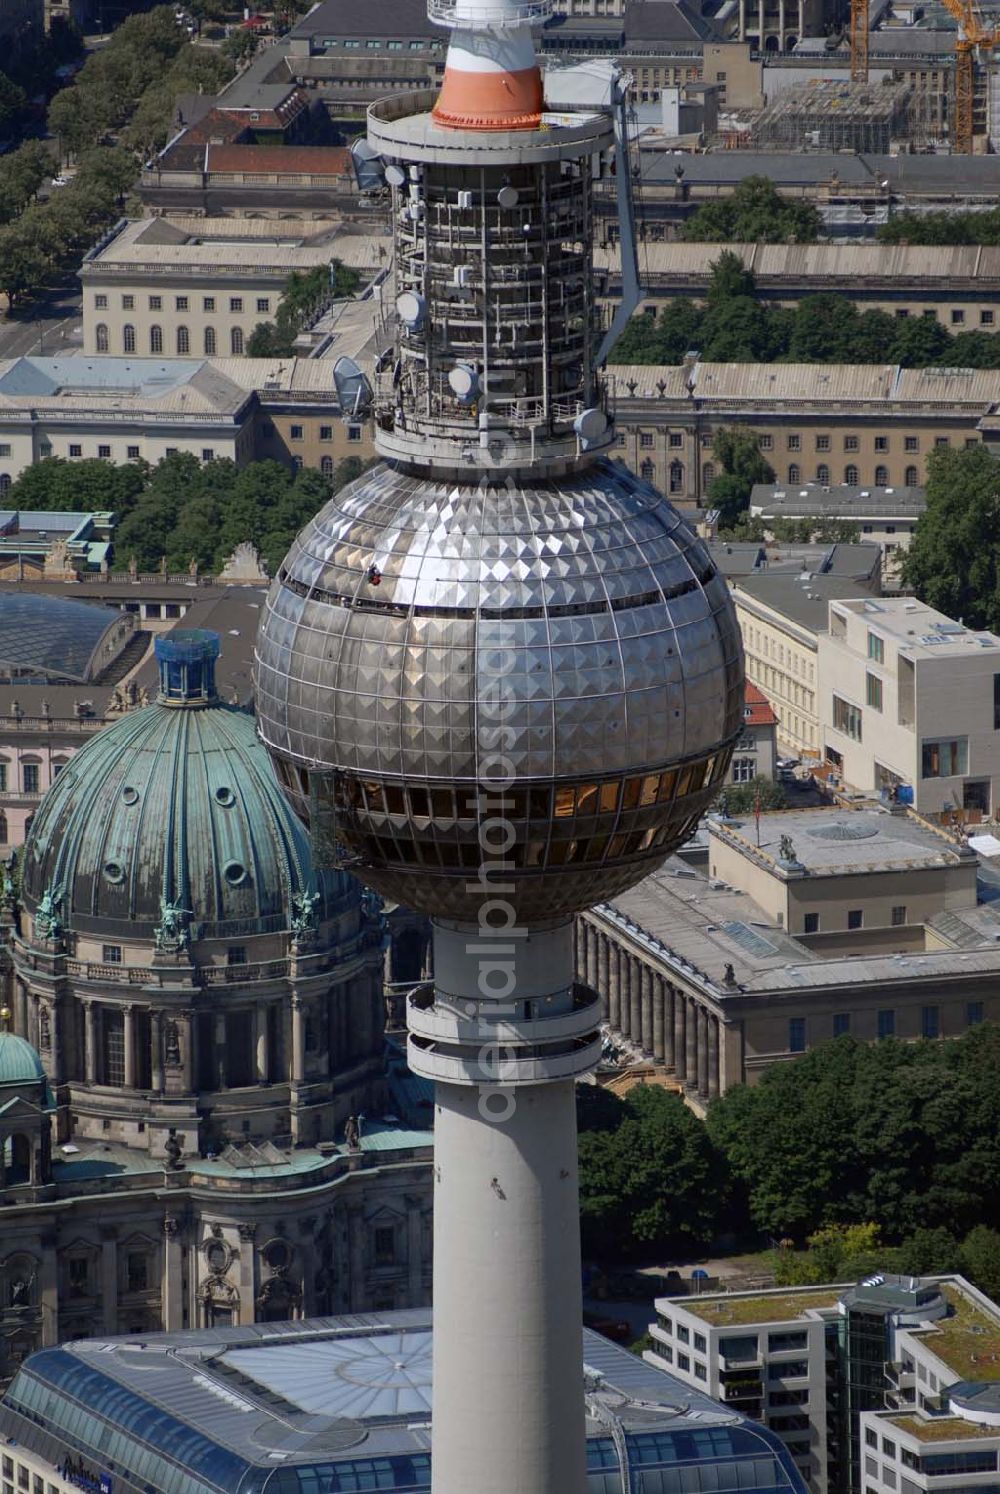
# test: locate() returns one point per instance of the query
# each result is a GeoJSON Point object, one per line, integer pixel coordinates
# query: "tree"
{"type": "Point", "coordinates": [754, 213]}
{"type": "Point", "coordinates": [79, 487]}
{"type": "Point", "coordinates": [979, 1257]}
{"type": "Point", "coordinates": [920, 341]}
{"type": "Point", "coordinates": [240, 44]}
{"type": "Point", "coordinates": [741, 798]}
{"type": "Point", "coordinates": [660, 339]}
{"type": "Point", "coordinates": [952, 563]}
{"type": "Point", "coordinates": [825, 330]}
{"type": "Point", "coordinates": [736, 331]}
{"type": "Point", "coordinates": [13, 102]}
{"type": "Point", "coordinates": [729, 279]}
{"type": "Point", "coordinates": [737, 452]}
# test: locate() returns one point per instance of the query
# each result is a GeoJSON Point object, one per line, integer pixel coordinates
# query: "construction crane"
{"type": "Point", "coordinates": [972, 35]}
{"type": "Point", "coordinates": [859, 41]}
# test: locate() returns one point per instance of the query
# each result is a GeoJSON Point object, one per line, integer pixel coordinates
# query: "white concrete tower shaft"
{"type": "Point", "coordinates": [508, 1384]}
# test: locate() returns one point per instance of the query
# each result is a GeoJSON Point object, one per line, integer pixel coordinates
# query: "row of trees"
{"type": "Point", "coordinates": [755, 213]}
{"type": "Point", "coordinates": [733, 326]}
{"type": "Point", "coordinates": [306, 293]}
{"type": "Point", "coordinates": [183, 510]}
{"type": "Point", "coordinates": [863, 1156]}
{"type": "Point", "coordinates": [129, 88]}
{"type": "Point", "coordinates": [942, 228]}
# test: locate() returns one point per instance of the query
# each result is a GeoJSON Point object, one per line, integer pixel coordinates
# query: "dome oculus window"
{"type": "Point", "coordinates": [225, 797]}
{"type": "Point", "coordinates": [130, 795]}
{"type": "Point", "coordinates": [235, 873]}
{"type": "Point", "coordinates": [114, 871]}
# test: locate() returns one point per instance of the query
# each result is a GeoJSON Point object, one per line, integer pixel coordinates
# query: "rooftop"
{"type": "Point", "coordinates": [918, 630]}
{"type": "Point", "coordinates": [159, 243]}
{"type": "Point", "coordinates": [757, 1307]}
{"type": "Point", "coordinates": [805, 605]}
{"type": "Point", "coordinates": [838, 501]}
{"type": "Point", "coordinates": [834, 842]}
{"type": "Point", "coordinates": [968, 1341]}
{"type": "Point", "coordinates": [757, 708]}
{"type": "Point", "coordinates": [860, 263]}
{"type": "Point", "coordinates": [57, 639]}
{"type": "Point", "coordinates": [940, 1428]}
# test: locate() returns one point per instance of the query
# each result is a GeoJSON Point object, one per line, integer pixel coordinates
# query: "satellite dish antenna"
{"type": "Point", "coordinates": [411, 308]}
{"type": "Point", "coordinates": [369, 170]}
{"type": "Point", "coordinates": [508, 197]}
{"type": "Point", "coordinates": [353, 389]}
{"type": "Point", "coordinates": [395, 175]}
{"type": "Point", "coordinates": [590, 425]}
{"type": "Point", "coordinates": [464, 382]}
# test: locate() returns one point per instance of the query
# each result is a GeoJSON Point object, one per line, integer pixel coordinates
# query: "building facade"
{"type": "Point", "coordinates": [910, 704]}
{"type": "Point", "coordinates": [755, 754]}
{"type": "Point", "coordinates": [886, 517]}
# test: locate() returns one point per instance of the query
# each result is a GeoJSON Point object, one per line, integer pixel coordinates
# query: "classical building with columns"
{"type": "Point", "coordinates": [196, 1069]}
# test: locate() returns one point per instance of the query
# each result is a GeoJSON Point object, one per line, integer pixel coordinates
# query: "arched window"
{"type": "Point", "coordinates": [236, 342]}
{"type": "Point", "coordinates": [708, 474]}
{"type": "Point", "coordinates": [912, 478]}
{"type": "Point", "coordinates": [647, 471]}
{"type": "Point", "coordinates": [881, 477]}
{"type": "Point", "coordinates": [3, 828]}
{"type": "Point", "coordinates": [156, 339]}
{"type": "Point", "coordinates": [743, 769]}
{"type": "Point", "coordinates": [677, 477]}
{"type": "Point", "coordinates": [794, 475]}
{"type": "Point", "coordinates": [209, 342]}
{"type": "Point", "coordinates": [326, 466]}
{"type": "Point", "coordinates": [771, 44]}
{"type": "Point", "coordinates": [851, 475]}
{"type": "Point", "coordinates": [823, 473]}
{"type": "Point", "coordinates": [183, 341]}
{"type": "Point", "coordinates": [101, 330]}
{"type": "Point", "coordinates": [128, 338]}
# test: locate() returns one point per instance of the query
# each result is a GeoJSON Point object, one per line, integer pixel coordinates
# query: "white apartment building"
{"type": "Point", "coordinates": [891, 1386]}
{"type": "Point", "coordinates": [909, 702]}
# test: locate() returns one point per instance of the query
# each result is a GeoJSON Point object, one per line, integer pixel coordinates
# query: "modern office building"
{"type": "Point", "coordinates": [336, 1404]}
{"type": "Point", "coordinates": [895, 1378]}
{"type": "Point", "coordinates": [909, 704]}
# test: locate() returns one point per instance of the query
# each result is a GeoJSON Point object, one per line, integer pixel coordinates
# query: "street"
{"type": "Point", "coordinates": [50, 325]}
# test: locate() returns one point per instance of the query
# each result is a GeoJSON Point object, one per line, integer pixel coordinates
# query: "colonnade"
{"type": "Point", "coordinates": [648, 1009]}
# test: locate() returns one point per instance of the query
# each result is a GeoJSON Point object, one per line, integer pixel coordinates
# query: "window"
{"type": "Point", "coordinates": [326, 466]}
{"type": "Point", "coordinates": [111, 954]}
{"type": "Point", "coordinates": [881, 477]}
{"type": "Point", "coordinates": [354, 434]}
{"type": "Point", "coordinates": [855, 918]}
{"type": "Point", "coordinates": [743, 769]}
{"type": "Point", "coordinates": [973, 1013]}
{"type": "Point", "coordinates": [794, 442]}
{"type": "Point", "coordinates": [793, 1368]}
{"type": "Point", "coordinates": [823, 474]}
{"type": "Point", "coordinates": [647, 470]}
{"type": "Point", "coordinates": [676, 476]}
{"type": "Point", "coordinates": [899, 915]}
{"type": "Point", "coordinates": [236, 954]}
{"type": "Point", "coordinates": [676, 438]}
{"type": "Point", "coordinates": [930, 1021]}
{"type": "Point", "coordinates": [871, 1438]}
{"type": "Point", "coordinates": [156, 303]}
{"type": "Point", "coordinates": [236, 342]}
{"type": "Point", "coordinates": [104, 452]}
{"type": "Point", "coordinates": [208, 304]}
{"type": "Point", "coordinates": [683, 1362]}
{"type": "Point", "coordinates": [101, 303]}
{"type": "Point", "coordinates": [911, 477]}
{"type": "Point", "coordinates": [841, 1023]}
{"type": "Point", "coordinates": [156, 339]}
{"type": "Point", "coordinates": [128, 338]}
{"type": "Point", "coordinates": [180, 303]}
{"type": "Point", "coordinates": [133, 453]}
{"type": "Point", "coordinates": [847, 719]}
{"type": "Point", "coordinates": [645, 438]}
{"type": "Point", "coordinates": [822, 443]}
{"type": "Point", "coordinates": [873, 691]}
{"type": "Point", "coordinates": [137, 1272]}
{"type": "Point", "coordinates": [30, 778]}
{"type": "Point", "coordinates": [766, 442]}
{"type": "Point", "coordinates": [3, 828]}
{"type": "Point", "coordinates": [3, 778]}
{"type": "Point", "coordinates": [236, 303]}
{"type": "Point", "coordinates": [101, 335]}
{"type": "Point", "coordinates": [683, 1333]}
{"type": "Point", "coordinates": [810, 923]}
{"type": "Point", "coordinates": [941, 441]}
{"type": "Point", "coordinates": [326, 433]}
{"type": "Point", "coordinates": [881, 443]}
{"type": "Point", "coordinates": [851, 475]}
{"type": "Point", "coordinates": [79, 1276]}
{"type": "Point", "coordinates": [700, 1372]}
{"type": "Point", "coordinates": [796, 1034]}
{"type": "Point", "coordinates": [295, 432]}
{"type": "Point", "coordinates": [957, 317]}
{"type": "Point", "coordinates": [75, 450]}
{"type": "Point", "coordinates": [886, 1024]}
{"type": "Point", "coordinates": [910, 443]}
{"type": "Point", "coordinates": [851, 443]}
{"type": "Point", "coordinates": [208, 453]}
{"type": "Point", "coordinates": [699, 1343]}
{"type": "Point", "coordinates": [793, 472]}
{"type": "Point", "coordinates": [210, 343]}
{"type": "Point", "coordinates": [945, 759]}
{"type": "Point", "coordinates": [385, 1245]}
{"type": "Point", "coordinates": [263, 305]}
{"type": "Point", "coordinates": [183, 342]}
{"type": "Point", "coordinates": [876, 648]}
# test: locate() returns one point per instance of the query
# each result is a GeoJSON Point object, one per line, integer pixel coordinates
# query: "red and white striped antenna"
{"type": "Point", "coordinates": [492, 80]}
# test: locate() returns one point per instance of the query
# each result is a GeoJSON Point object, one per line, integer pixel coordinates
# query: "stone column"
{"type": "Point", "coordinates": [703, 1020]}
{"type": "Point", "coordinates": [220, 1050]}
{"type": "Point", "coordinates": [691, 1044]}
{"type": "Point", "coordinates": [156, 1051]}
{"type": "Point", "coordinates": [21, 1009]}
{"type": "Point", "coordinates": [781, 25]}
{"type": "Point", "coordinates": [56, 1021]}
{"type": "Point", "coordinates": [186, 1031]}
{"type": "Point", "coordinates": [743, 20]}
{"type": "Point", "coordinates": [247, 1276]}
{"type": "Point", "coordinates": [658, 997]}
{"type": "Point", "coordinates": [173, 1301]}
{"type": "Point", "coordinates": [298, 1040]}
{"type": "Point", "coordinates": [128, 1012]}
{"type": "Point", "coordinates": [713, 1056]}
{"type": "Point", "coordinates": [356, 1255]}
{"type": "Point", "coordinates": [109, 1280]}
{"type": "Point", "coordinates": [617, 1004]}
{"type": "Point", "coordinates": [680, 1037]}
{"type": "Point", "coordinates": [260, 1015]}
{"type": "Point", "coordinates": [90, 1015]}
{"type": "Point", "coordinates": [593, 957]}
{"type": "Point", "coordinates": [48, 1293]}
{"type": "Point", "coordinates": [414, 1252]}
{"type": "Point", "coordinates": [635, 998]}
{"type": "Point", "coordinates": [604, 975]}
{"type": "Point", "coordinates": [648, 1043]}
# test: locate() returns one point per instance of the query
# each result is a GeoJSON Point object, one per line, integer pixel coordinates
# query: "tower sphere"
{"type": "Point", "coordinates": [548, 675]}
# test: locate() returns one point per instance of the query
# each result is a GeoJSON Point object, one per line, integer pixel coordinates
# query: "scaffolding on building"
{"type": "Point", "coordinates": [834, 116]}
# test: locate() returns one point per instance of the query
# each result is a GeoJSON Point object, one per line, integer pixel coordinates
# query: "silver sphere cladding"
{"type": "Point", "coordinates": [572, 637]}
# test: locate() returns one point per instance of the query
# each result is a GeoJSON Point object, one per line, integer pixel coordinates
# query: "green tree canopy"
{"type": "Point", "coordinates": [736, 449]}
{"type": "Point", "coordinates": [754, 213]}
{"type": "Point", "coordinates": [952, 562]}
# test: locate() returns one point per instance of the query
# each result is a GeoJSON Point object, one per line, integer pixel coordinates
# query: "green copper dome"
{"type": "Point", "coordinates": [19, 1063]}
{"type": "Point", "coordinates": [173, 804]}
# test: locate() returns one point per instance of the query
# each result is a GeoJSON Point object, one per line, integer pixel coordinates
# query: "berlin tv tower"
{"type": "Point", "coordinates": [505, 677]}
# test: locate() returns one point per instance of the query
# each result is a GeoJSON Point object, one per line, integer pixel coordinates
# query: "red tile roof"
{"type": "Point", "coordinates": [295, 160]}
{"type": "Point", "coordinates": [758, 710]}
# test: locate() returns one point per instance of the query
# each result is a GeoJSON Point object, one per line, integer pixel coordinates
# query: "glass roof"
{"type": "Point", "coordinates": [52, 638]}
